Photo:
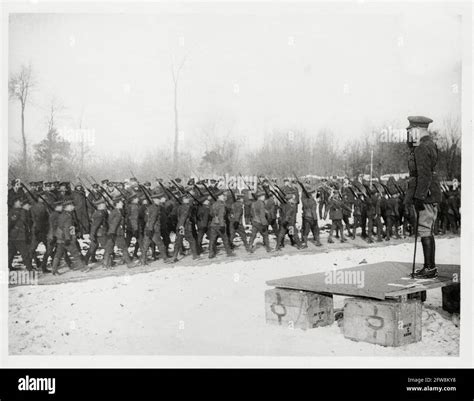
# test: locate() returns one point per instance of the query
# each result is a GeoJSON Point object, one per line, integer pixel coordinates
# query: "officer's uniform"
{"type": "Point", "coordinates": [424, 190]}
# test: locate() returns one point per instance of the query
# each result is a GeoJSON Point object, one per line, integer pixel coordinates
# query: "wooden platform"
{"type": "Point", "coordinates": [384, 280]}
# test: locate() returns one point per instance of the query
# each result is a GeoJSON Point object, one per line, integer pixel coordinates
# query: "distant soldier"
{"type": "Point", "coordinates": [392, 215]}
{"type": "Point", "coordinates": [310, 218]}
{"type": "Point", "coordinates": [15, 192]}
{"type": "Point", "coordinates": [453, 211]}
{"type": "Point", "coordinates": [259, 222]}
{"type": "Point", "coordinates": [132, 216]}
{"type": "Point", "coordinates": [235, 221]}
{"type": "Point", "coordinates": [184, 229]}
{"type": "Point", "coordinates": [153, 227]}
{"type": "Point", "coordinates": [288, 223]}
{"type": "Point", "coordinates": [81, 208]}
{"type": "Point", "coordinates": [19, 232]}
{"type": "Point", "coordinates": [271, 209]}
{"type": "Point", "coordinates": [202, 221]}
{"type": "Point", "coordinates": [98, 231]}
{"type": "Point", "coordinates": [67, 238]}
{"type": "Point", "coordinates": [40, 218]}
{"type": "Point", "coordinates": [64, 191]}
{"type": "Point", "coordinates": [335, 214]}
{"type": "Point", "coordinates": [424, 191]}
{"type": "Point", "coordinates": [115, 234]}
{"type": "Point", "coordinates": [357, 212]}
{"type": "Point", "coordinates": [217, 227]}
{"type": "Point", "coordinates": [248, 200]}
{"type": "Point", "coordinates": [347, 210]}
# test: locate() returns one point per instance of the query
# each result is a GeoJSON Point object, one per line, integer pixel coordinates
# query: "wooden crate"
{"type": "Point", "coordinates": [388, 323]}
{"type": "Point", "coordinates": [298, 309]}
{"type": "Point", "coordinates": [452, 298]}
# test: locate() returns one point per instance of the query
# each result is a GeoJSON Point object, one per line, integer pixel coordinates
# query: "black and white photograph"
{"type": "Point", "coordinates": [282, 182]}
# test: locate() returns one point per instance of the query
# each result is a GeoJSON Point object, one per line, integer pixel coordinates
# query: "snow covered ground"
{"type": "Point", "coordinates": [207, 309]}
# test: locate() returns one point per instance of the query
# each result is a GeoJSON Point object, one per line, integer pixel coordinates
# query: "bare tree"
{"type": "Point", "coordinates": [84, 148]}
{"type": "Point", "coordinates": [451, 145]}
{"type": "Point", "coordinates": [175, 71]}
{"type": "Point", "coordinates": [53, 149]}
{"type": "Point", "coordinates": [19, 87]}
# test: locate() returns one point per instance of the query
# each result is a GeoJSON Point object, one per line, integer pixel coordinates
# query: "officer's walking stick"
{"type": "Point", "coordinates": [417, 215]}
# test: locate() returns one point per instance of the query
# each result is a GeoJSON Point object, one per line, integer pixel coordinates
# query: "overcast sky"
{"type": "Point", "coordinates": [252, 69]}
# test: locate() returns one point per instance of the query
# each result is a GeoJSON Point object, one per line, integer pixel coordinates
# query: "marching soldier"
{"type": "Point", "coordinates": [310, 217]}
{"type": "Point", "coordinates": [40, 218]}
{"type": "Point", "coordinates": [391, 212]}
{"type": "Point", "coordinates": [81, 208]}
{"type": "Point", "coordinates": [98, 231]}
{"type": "Point", "coordinates": [259, 222]}
{"type": "Point", "coordinates": [66, 238]}
{"type": "Point", "coordinates": [235, 221]}
{"type": "Point", "coordinates": [184, 229]}
{"type": "Point", "coordinates": [217, 226]}
{"type": "Point", "coordinates": [115, 235]}
{"type": "Point", "coordinates": [288, 223]}
{"type": "Point", "coordinates": [15, 192]}
{"type": "Point", "coordinates": [357, 215]}
{"type": "Point", "coordinates": [132, 217]}
{"type": "Point", "coordinates": [335, 214]}
{"type": "Point", "coordinates": [19, 232]}
{"type": "Point", "coordinates": [424, 191]}
{"type": "Point", "coordinates": [153, 227]}
{"type": "Point", "coordinates": [202, 221]}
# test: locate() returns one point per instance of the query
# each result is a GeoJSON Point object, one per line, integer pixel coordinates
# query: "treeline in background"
{"type": "Point", "coordinates": [283, 151]}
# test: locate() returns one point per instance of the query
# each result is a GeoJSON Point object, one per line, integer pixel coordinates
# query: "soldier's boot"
{"type": "Point", "coordinates": [280, 240]}
{"type": "Point", "coordinates": [429, 269]}
{"type": "Point", "coordinates": [176, 253]}
{"type": "Point", "coordinates": [317, 241]}
{"type": "Point", "coordinates": [68, 260]}
{"type": "Point", "coordinates": [243, 237]}
{"type": "Point", "coordinates": [107, 260]}
{"type": "Point", "coordinates": [343, 239]}
{"type": "Point", "coordinates": [44, 264]}
{"type": "Point", "coordinates": [253, 235]}
{"type": "Point", "coordinates": [337, 233]}
{"type": "Point", "coordinates": [330, 240]}
{"type": "Point", "coordinates": [379, 234]}
{"type": "Point", "coordinates": [296, 239]}
{"type": "Point", "coordinates": [304, 241]}
{"type": "Point", "coordinates": [127, 259]}
{"type": "Point", "coordinates": [349, 232]}
{"type": "Point", "coordinates": [370, 239]}
{"type": "Point", "coordinates": [194, 252]}
{"type": "Point", "coordinates": [55, 266]}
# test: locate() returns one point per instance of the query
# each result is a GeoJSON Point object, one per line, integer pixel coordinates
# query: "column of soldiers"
{"type": "Point", "coordinates": [117, 216]}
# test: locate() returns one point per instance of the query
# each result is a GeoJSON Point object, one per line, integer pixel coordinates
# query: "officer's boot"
{"type": "Point", "coordinates": [429, 269]}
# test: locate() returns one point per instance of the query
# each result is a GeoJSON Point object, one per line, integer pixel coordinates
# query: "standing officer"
{"type": "Point", "coordinates": [424, 190]}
